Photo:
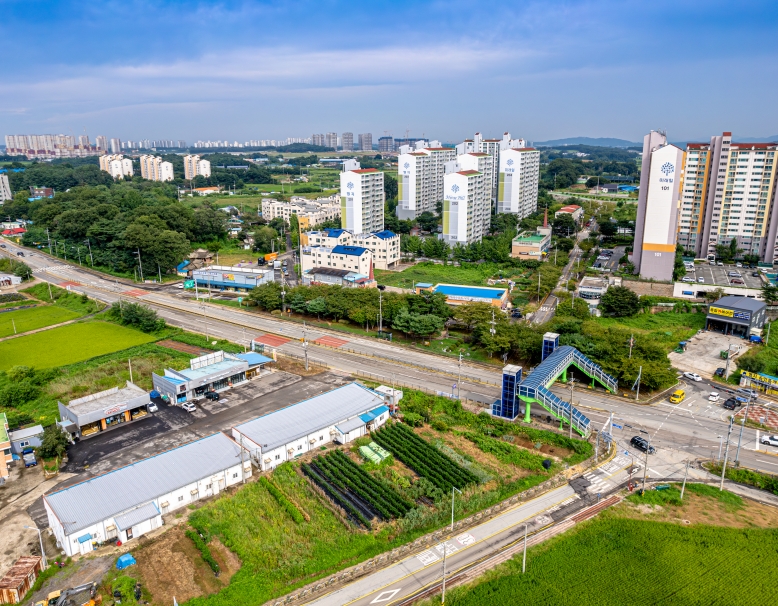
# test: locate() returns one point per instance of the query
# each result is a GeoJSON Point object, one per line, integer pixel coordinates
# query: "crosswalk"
{"type": "Point", "coordinates": [600, 479]}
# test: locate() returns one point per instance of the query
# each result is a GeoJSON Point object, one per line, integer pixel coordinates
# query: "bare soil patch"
{"type": "Point", "coordinates": [171, 566]}
{"type": "Point", "coordinates": [698, 509]}
{"type": "Point", "coordinates": [297, 368]}
{"type": "Point", "coordinates": [190, 349]}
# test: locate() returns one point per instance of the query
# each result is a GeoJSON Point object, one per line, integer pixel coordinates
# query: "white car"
{"type": "Point", "coordinates": [179, 286]}
{"type": "Point", "coordinates": [714, 396]}
{"type": "Point", "coordinates": [701, 280]}
{"type": "Point", "coordinates": [693, 376]}
{"type": "Point", "coordinates": [188, 407]}
{"type": "Point", "coordinates": [771, 440]}
{"type": "Point", "coordinates": [687, 279]}
{"type": "Point", "coordinates": [738, 264]}
{"type": "Point", "coordinates": [152, 407]}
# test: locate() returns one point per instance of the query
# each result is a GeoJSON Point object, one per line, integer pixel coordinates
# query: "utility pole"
{"type": "Point", "coordinates": [767, 340]}
{"type": "Point", "coordinates": [91, 258]}
{"type": "Point", "coordinates": [453, 488]}
{"type": "Point", "coordinates": [459, 381]}
{"type": "Point", "coordinates": [51, 298]}
{"type": "Point", "coordinates": [645, 468]}
{"type": "Point", "coordinates": [726, 454]}
{"type": "Point", "coordinates": [129, 361]}
{"type": "Point", "coordinates": [726, 370]}
{"type": "Point", "coordinates": [572, 384]}
{"type": "Point", "coordinates": [524, 557]}
{"type": "Point", "coordinates": [140, 266]}
{"type": "Point", "coordinates": [740, 437]}
{"type": "Point", "coordinates": [686, 473]}
{"type": "Point", "coordinates": [637, 384]}
{"type": "Point", "coordinates": [631, 343]}
{"type": "Point", "coordinates": [49, 239]}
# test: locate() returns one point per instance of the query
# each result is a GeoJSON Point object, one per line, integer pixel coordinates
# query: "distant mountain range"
{"type": "Point", "coordinates": [594, 141]}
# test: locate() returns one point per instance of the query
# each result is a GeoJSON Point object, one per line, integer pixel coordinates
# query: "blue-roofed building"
{"type": "Point", "coordinates": [256, 363]}
{"type": "Point", "coordinates": [237, 278]}
{"type": "Point", "coordinates": [351, 258]}
{"type": "Point", "coordinates": [457, 294]}
{"type": "Point", "coordinates": [340, 415]}
{"type": "Point", "coordinates": [384, 245]}
{"type": "Point", "coordinates": [215, 371]}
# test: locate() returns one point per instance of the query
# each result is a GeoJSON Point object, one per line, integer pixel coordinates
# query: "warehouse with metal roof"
{"type": "Point", "coordinates": [129, 502]}
{"type": "Point", "coordinates": [340, 415]}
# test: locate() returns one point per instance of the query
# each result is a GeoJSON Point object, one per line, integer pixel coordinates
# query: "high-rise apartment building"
{"type": "Point", "coordinates": [361, 198]}
{"type": "Point", "coordinates": [45, 147]}
{"type": "Point", "coordinates": [194, 165]}
{"type": "Point", "coordinates": [661, 181]}
{"type": "Point", "coordinates": [386, 144]}
{"type": "Point", "coordinates": [5, 189]}
{"type": "Point", "coordinates": [365, 142]}
{"type": "Point", "coordinates": [729, 192]}
{"type": "Point", "coordinates": [420, 178]}
{"type": "Point", "coordinates": [331, 140]}
{"type": "Point", "coordinates": [101, 143]}
{"type": "Point", "coordinates": [116, 146]}
{"type": "Point", "coordinates": [517, 182]}
{"type": "Point", "coordinates": [467, 198]}
{"type": "Point", "coordinates": [493, 148]}
{"type": "Point", "coordinates": [347, 142]}
{"type": "Point", "coordinates": [154, 168]}
{"type": "Point", "coordinates": [116, 165]}
{"type": "Point", "coordinates": [317, 140]}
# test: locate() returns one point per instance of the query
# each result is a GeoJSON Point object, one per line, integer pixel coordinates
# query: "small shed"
{"type": "Point", "coordinates": [30, 437]}
{"type": "Point", "coordinates": [18, 581]}
{"type": "Point", "coordinates": [124, 561]}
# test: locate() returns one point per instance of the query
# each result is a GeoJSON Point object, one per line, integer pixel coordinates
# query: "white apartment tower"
{"type": "Point", "coordinates": [116, 165]}
{"type": "Point", "coordinates": [365, 142]}
{"type": "Point", "coordinates": [420, 178]}
{"type": "Point", "coordinates": [729, 192]}
{"type": "Point", "coordinates": [154, 168]}
{"type": "Point", "coordinates": [493, 147]}
{"type": "Point", "coordinates": [347, 142]}
{"type": "Point", "coordinates": [116, 146]}
{"type": "Point", "coordinates": [331, 140]}
{"type": "Point", "coordinates": [467, 199]}
{"type": "Point", "coordinates": [194, 165]}
{"type": "Point", "coordinates": [517, 182]}
{"type": "Point", "coordinates": [5, 189]}
{"type": "Point", "coordinates": [661, 182]}
{"type": "Point", "coordinates": [361, 198]}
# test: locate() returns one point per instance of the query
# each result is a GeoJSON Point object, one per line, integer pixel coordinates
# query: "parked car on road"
{"type": "Point", "coordinates": [701, 280]}
{"type": "Point", "coordinates": [720, 372]}
{"type": "Point", "coordinates": [731, 404]}
{"type": "Point", "coordinates": [188, 407]}
{"type": "Point", "coordinates": [748, 393]}
{"type": "Point", "coordinates": [771, 440]}
{"type": "Point", "coordinates": [714, 396]}
{"type": "Point", "coordinates": [693, 376]}
{"type": "Point", "coordinates": [737, 281]}
{"type": "Point", "coordinates": [641, 443]}
{"type": "Point", "coordinates": [211, 395]}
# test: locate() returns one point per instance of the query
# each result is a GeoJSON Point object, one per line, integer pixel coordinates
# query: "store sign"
{"type": "Point", "coordinates": [719, 311]}
{"type": "Point", "coordinates": [742, 315]}
{"type": "Point", "coordinates": [114, 409]}
{"type": "Point", "coordinates": [771, 382]}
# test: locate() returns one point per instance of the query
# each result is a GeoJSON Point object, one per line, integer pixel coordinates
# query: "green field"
{"type": "Point", "coordinates": [680, 326]}
{"type": "Point", "coordinates": [68, 344]}
{"type": "Point", "coordinates": [613, 561]}
{"type": "Point", "coordinates": [469, 274]}
{"type": "Point", "coordinates": [33, 318]}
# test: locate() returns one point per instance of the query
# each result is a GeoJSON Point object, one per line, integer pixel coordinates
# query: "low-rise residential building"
{"type": "Point", "coordinates": [20, 579]}
{"type": "Point", "coordinates": [29, 437]}
{"type": "Point", "coordinates": [385, 245]}
{"type": "Point", "coordinates": [128, 502]}
{"type": "Point", "coordinates": [207, 191]}
{"type": "Point", "coordinates": [575, 211]}
{"type": "Point", "coordinates": [340, 415]}
{"type": "Point", "coordinates": [116, 165]}
{"type": "Point", "coordinates": [9, 279]}
{"type": "Point", "coordinates": [224, 277]}
{"type": "Point", "coordinates": [354, 258]}
{"type": "Point", "coordinates": [211, 372]}
{"type": "Point", "coordinates": [98, 412]}
{"type": "Point", "coordinates": [309, 213]}
{"type": "Point", "coordinates": [532, 245]}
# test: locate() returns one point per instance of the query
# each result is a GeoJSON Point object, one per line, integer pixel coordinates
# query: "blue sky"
{"type": "Point", "coordinates": [239, 70]}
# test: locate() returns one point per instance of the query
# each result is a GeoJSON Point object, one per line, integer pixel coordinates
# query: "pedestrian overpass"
{"type": "Point", "coordinates": [535, 387]}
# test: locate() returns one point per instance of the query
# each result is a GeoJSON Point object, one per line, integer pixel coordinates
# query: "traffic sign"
{"type": "Point", "coordinates": [189, 284]}
{"type": "Point", "coordinates": [240, 299]}
{"type": "Point", "coordinates": [606, 436]}
{"type": "Point", "coordinates": [617, 426]}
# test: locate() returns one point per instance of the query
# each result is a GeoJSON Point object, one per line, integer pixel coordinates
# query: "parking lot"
{"type": "Point", "coordinates": [718, 275]}
{"type": "Point", "coordinates": [703, 351]}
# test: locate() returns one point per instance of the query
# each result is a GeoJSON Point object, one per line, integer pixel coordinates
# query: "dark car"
{"type": "Point", "coordinates": [20, 254]}
{"type": "Point", "coordinates": [642, 444]}
{"type": "Point", "coordinates": [516, 313]}
{"type": "Point", "coordinates": [720, 372]}
{"type": "Point", "coordinates": [211, 395]}
{"type": "Point", "coordinates": [755, 274]}
{"type": "Point", "coordinates": [731, 404]}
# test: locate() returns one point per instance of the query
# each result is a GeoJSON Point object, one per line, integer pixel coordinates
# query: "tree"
{"type": "Point", "coordinates": [317, 306]}
{"type": "Point", "coordinates": [427, 221]}
{"type": "Point", "coordinates": [564, 225]}
{"type": "Point", "coordinates": [263, 239]}
{"type": "Point", "coordinates": [425, 324]}
{"type": "Point", "coordinates": [473, 314]}
{"type": "Point", "coordinates": [136, 315]}
{"type": "Point", "coordinates": [390, 186]}
{"type": "Point", "coordinates": [267, 296]}
{"type": "Point", "coordinates": [770, 292]}
{"type": "Point", "coordinates": [734, 251]}
{"type": "Point", "coordinates": [565, 244]}
{"type": "Point", "coordinates": [574, 307]}
{"type": "Point", "coordinates": [608, 229]}
{"type": "Point", "coordinates": [54, 442]}
{"type": "Point", "coordinates": [620, 301]}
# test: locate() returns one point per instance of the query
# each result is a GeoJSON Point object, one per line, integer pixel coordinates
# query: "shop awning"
{"type": "Point", "coordinates": [136, 516]}
{"type": "Point", "coordinates": [85, 538]}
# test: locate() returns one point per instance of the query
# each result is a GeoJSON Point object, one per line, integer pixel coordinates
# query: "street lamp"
{"type": "Point", "coordinates": [40, 538]}
{"type": "Point", "coordinates": [453, 488]}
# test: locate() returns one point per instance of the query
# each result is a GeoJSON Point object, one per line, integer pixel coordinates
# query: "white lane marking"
{"type": "Point", "coordinates": [385, 596]}
{"type": "Point", "coordinates": [450, 547]}
{"type": "Point", "coordinates": [768, 462]}
{"type": "Point", "coordinates": [653, 471]}
{"type": "Point", "coordinates": [466, 539]}
{"type": "Point", "coordinates": [427, 557]}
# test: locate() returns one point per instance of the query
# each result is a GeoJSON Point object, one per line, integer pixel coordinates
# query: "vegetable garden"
{"type": "Point", "coordinates": [423, 458]}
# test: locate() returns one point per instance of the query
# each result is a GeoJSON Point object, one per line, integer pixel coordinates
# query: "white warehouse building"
{"type": "Point", "coordinates": [129, 502]}
{"type": "Point", "coordinates": [341, 415]}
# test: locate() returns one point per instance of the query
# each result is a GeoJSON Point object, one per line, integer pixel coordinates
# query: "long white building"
{"type": "Point", "coordinates": [340, 415]}
{"type": "Point", "coordinates": [517, 188]}
{"type": "Point", "coordinates": [361, 198]}
{"type": "Point", "coordinates": [116, 165]}
{"type": "Point", "coordinates": [130, 501]}
{"type": "Point", "coordinates": [194, 166]}
{"type": "Point", "coordinates": [420, 174]}
{"type": "Point", "coordinates": [154, 168]}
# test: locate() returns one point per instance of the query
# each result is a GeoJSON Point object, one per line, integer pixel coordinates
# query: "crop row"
{"type": "Point", "coordinates": [507, 453]}
{"type": "Point", "coordinates": [281, 499]}
{"type": "Point", "coordinates": [345, 474]}
{"type": "Point", "coordinates": [423, 458]}
{"type": "Point", "coordinates": [336, 496]}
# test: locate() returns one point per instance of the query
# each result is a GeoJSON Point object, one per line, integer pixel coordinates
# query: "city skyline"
{"type": "Point", "coordinates": [596, 69]}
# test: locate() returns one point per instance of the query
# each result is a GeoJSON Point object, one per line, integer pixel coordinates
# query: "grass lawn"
{"type": "Point", "coordinates": [469, 274]}
{"type": "Point", "coordinates": [68, 344]}
{"type": "Point", "coordinates": [33, 318]}
{"type": "Point", "coordinates": [680, 326]}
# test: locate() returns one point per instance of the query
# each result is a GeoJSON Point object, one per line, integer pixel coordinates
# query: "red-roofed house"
{"type": "Point", "coordinates": [573, 210]}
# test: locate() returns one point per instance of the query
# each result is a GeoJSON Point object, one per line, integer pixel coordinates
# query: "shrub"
{"type": "Point", "coordinates": [136, 315]}
{"type": "Point", "coordinates": [281, 499]}
{"type": "Point", "coordinates": [205, 552]}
